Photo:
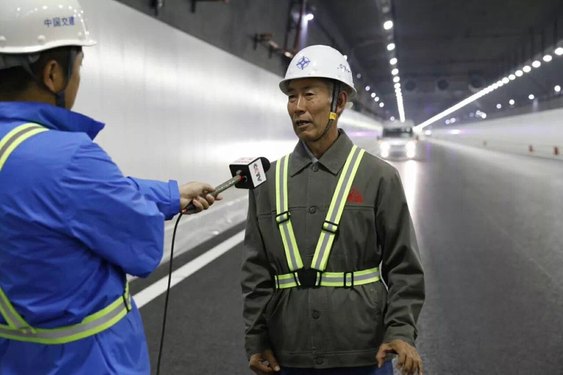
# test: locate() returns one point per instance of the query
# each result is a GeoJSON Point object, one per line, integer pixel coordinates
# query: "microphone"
{"type": "Point", "coordinates": [248, 173]}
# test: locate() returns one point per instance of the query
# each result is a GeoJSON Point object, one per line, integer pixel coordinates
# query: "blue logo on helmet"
{"type": "Point", "coordinates": [303, 62]}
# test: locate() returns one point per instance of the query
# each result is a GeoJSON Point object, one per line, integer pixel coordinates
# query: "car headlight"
{"type": "Point", "coordinates": [384, 147]}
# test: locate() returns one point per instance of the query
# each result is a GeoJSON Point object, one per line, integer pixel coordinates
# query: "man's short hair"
{"type": "Point", "coordinates": [15, 80]}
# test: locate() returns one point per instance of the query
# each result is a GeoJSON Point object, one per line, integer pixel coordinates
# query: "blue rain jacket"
{"type": "Point", "coordinates": [71, 228]}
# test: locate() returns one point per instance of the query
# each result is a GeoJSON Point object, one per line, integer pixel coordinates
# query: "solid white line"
{"type": "Point", "coordinates": [151, 292]}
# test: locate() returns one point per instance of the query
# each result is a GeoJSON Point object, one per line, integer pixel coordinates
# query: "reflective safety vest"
{"type": "Point", "coordinates": [16, 328]}
{"type": "Point", "coordinates": [315, 275]}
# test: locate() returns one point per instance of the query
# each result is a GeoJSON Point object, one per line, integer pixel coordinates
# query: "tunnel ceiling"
{"type": "Point", "coordinates": [446, 49]}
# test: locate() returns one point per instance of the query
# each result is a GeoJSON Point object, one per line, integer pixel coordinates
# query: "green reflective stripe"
{"type": "Point", "coordinates": [333, 279]}
{"type": "Point", "coordinates": [336, 279]}
{"type": "Point", "coordinates": [291, 249]}
{"type": "Point", "coordinates": [327, 236]}
{"type": "Point", "coordinates": [91, 325]}
{"type": "Point", "coordinates": [10, 315]}
{"type": "Point", "coordinates": [15, 137]}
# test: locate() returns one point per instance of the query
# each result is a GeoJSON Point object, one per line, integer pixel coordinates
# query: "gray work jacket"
{"type": "Point", "coordinates": [332, 327]}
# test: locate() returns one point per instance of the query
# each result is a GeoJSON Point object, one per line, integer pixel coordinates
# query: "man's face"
{"type": "Point", "coordinates": [308, 106]}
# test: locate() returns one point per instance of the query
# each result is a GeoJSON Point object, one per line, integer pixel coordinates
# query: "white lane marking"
{"type": "Point", "coordinates": [154, 290]}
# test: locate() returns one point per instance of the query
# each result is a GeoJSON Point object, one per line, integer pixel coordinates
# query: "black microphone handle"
{"type": "Point", "coordinates": [191, 209]}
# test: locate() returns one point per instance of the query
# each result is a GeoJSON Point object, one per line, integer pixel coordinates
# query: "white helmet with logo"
{"type": "Point", "coordinates": [31, 26]}
{"type": "Point", "coordinates": [319, 61]}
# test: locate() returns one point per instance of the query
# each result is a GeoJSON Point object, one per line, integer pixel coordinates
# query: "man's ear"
{"type": "Point", "coordinates": [341, 101]}
{"type": "Point", "coordinates": [53, 76]}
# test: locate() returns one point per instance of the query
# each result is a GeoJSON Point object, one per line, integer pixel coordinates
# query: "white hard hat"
{"type": "Point", "coordinates": [30, 26]}
{"type": "Point", "coordinates": [319, 61]}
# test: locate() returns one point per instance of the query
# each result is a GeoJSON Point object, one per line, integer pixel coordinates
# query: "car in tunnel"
{"type": "Point", "coordinates": [397, 141]}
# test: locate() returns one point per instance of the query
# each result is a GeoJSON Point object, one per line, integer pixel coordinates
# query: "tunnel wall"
{"type": "Point", "coordinates": [536, 134]}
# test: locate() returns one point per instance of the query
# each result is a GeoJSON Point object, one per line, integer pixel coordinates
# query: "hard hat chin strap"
{"type": "Point", "coordinates": [60, 100]}
{"type": "Point", "coordinates": [332, 115]}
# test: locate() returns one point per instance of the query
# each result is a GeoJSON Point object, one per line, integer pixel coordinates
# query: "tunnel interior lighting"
{"type": "Point", "coordinates": [373, 95]}
{"type": "Point", "coordinates": [390, 46]}
{"type": "Point", "coordinates": [536, 64]}
{"type": "Point", "coordinates": [395, 71]}
{"type": "Point", "coordinates": [368, 88]}
{"type": "Point", "coordinates": [519, 73]}
{"type": "Point", "coordinates": [557, 88]}
{"type": "Point", "coordinates": [559, 51]}
{"type": "Point", "coordinates": [388, 25]}
{"type": "Point", "coordinates": [499, 106]}
{"type": "Point", "coordinates": [359, 75]}
{"type": "Point", "coordinates": [396, 79]}
{"type": "Point", "coordinates": [392, 118]}
{"type": "Point", "coordinates": [512, 77]}
{"type": "Point", "coordinates": [547, 58]}
{"type": "Point", "coordinates": [531, 97]}
{"type": "Point", "coordinates": [527, 69]}
{"type": "Point", "coordinates": [511, 102]}
{"type": "Point", "coordinates": [376, 99]}
{"type": "Point", "coordinates": [382, 104]}
{"type": "Point", "coordinates": [393, 61]}
{"type": "Point", "coordinates": [309, 17]}
{"type": "Point", "coordinates": [505, 80]}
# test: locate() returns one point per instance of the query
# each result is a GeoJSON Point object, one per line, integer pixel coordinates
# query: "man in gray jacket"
{"type": "Point", "coordinates": [317, 232]}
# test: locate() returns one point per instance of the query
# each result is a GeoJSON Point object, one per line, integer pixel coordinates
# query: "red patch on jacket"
{"type": "Point", "coordinates": [355, 196]}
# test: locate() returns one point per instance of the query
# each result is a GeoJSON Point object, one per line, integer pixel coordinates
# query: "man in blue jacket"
{"type": "Point", "coordinates": [71, 225]}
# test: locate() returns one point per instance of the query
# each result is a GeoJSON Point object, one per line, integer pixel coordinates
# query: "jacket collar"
{"type": "Point", "coordinates": [50, 116]}
{"type": "Point", "coordinates": [333, 159]}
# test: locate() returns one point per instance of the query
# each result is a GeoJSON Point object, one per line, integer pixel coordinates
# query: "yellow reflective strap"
{"type": "Point", "coordinates": [334, 214]}
{"type": "Point", "coordinates": [15, 137]}
{"type": "Point", "coordinates": [332, 116]}
{"type": "Point", "coordinates": [91, 325]}
{"type": "Point", "coordinates": [332, 279]}
{"type": "Point", "coordinates": [283, 218]}
{"type": "Point", "coordinates": [10, 315]}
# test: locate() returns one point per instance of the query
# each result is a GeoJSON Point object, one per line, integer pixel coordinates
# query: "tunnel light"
{"type": "Point", "coordinates": [536, 64]}
{"type": "Point", "coordinates": [397, 85]}
{"type": "Point", "coordinates": [396, 79]}
{"type": "Point", "coordinates": [447, 122]}
{"type": "Point", "coordinates": [309, 17]}
{"type": "Point", "coordinates": [512, 77]}
{"type": "Point", "coordinates": [388, 25]}
{"type": "Point", "coordinates": [519, 73]}
{"type": "Point", "coordinates": [559, 51]}
{"type": "Point", "coordinates": [505, 80]}
{"type": "Point", "coordinates": [392, 118]}
{"type": "Point", "coordinates": [345, 57]}
{"type": "Point", "coordinates": [376, 99]}
{"type": "Point", "coordinates": [511, 102]}
{"type": "Point", "coordinates": [368, 88]}
{"type": "Point", "coordinates": [557, 89]}
{"type": "Point", "coordinates": [393, 61]}
{"type": "Point", "coordinates": [527, 69]}
{"type": "Point", "coordinates": [499, 106]}
{"type": "Point", "coordinates": [547, 58]}
{"type": "Point", "coordinates": [531, 97]}
{"type": "Point", "coordinates": [390, 46]}
{"type": "Point", "coordinates": [359, 75]}
{"type": "Point", "coordinates": [395, 71]}
{"type": "Point", "coordinates": [373, 95]}
{"type": "Point", "coordinates": [381, 104]}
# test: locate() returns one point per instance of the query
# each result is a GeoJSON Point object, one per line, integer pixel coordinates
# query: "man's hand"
{"type": "Point", "coordinates": [408, 359]}
{"type": "Point", "coordinates": [197, 193]}
{"type": "Point", "coordinates": [264, 363]}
